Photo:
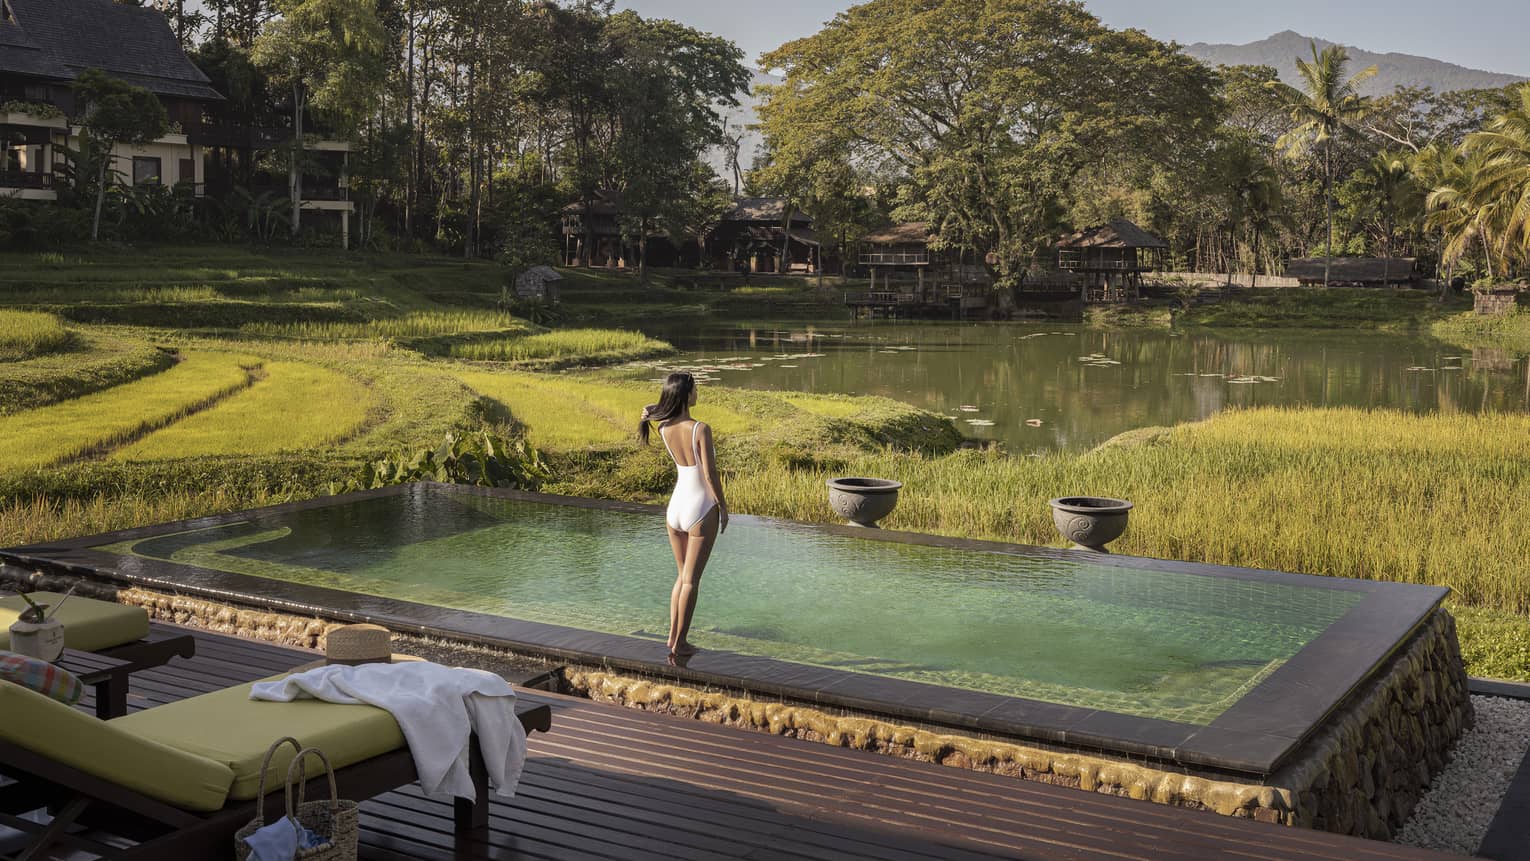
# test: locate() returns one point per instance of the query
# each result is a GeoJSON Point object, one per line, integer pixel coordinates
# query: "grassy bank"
{"type": "Point", "coordinates": [1334, 308]}
{"type": "Point", "coordinates": [1263, 488]}
{"type": "Point", "coordinates": [562, 348]}
{"type": "Point", "coordinates": [1510, 331]}
{"type": "Point", "coordinates": [609, 296]}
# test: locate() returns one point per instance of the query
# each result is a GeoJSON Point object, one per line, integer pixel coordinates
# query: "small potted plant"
{"type": "Point", "coordinates": [863, 501]}
{"type": "Point", "coordinates": [1090, 522]}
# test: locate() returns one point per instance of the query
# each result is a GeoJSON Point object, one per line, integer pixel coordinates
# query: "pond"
{"type": "Point", "coordinates": [1059, 387]}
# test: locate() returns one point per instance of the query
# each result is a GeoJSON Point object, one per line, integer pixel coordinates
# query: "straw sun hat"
{"type": "Point", "coordinates": [353, 645]}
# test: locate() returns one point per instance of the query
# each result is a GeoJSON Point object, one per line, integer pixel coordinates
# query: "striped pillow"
{"type": "Point", "coordinates": [41, 676]}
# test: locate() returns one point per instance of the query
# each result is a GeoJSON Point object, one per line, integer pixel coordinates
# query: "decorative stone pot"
{"type": "Point", "coordinates": [863, 501]}
{"type": "Point", "coordinates": [42, 640]}
{"type": "Point", "coordinates": [1090, 522]}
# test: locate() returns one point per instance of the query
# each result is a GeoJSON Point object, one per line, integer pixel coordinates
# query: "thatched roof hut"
{"type": "Point", "coordinates": [770, 211]}
{"type": "Point", "coordinates": [1118, 233]}
{"type": "Point", "coordinates": [1353, 271]}
{"type": "Point", "coordinates": [1111, 259]}
{"type": "Point", "coordinates": [909, 233]}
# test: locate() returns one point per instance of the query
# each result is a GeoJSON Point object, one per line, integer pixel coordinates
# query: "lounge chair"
{"type": "Point", "coordinates": [115, 630]}
{"type": "Point", "coordinates": [180, 779]}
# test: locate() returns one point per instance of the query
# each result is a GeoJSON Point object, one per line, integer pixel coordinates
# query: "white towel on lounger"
{"type": "Point", "coordinates": [436, 708]}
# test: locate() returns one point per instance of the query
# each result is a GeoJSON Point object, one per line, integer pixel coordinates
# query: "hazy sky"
{"type": "Point", "coordinates": [1480, 34]}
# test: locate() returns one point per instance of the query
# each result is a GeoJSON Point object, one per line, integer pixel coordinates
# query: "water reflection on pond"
{"type": "Point", "coordinates": [1041, 387]}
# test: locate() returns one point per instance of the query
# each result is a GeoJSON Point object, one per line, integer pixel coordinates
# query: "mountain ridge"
{"type": "Point", "coordinates": [1394, 69]}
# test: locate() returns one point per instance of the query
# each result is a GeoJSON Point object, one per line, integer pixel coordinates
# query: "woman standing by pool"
{"type": "Point", "coordinates": [697, 511]}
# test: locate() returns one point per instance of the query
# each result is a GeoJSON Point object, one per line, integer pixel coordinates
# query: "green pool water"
{"type": "Point", "coordinates": [1175, 646]}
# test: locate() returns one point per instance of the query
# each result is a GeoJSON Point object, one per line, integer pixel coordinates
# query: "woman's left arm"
{"type": "Point", "coordinates": [713, 474]}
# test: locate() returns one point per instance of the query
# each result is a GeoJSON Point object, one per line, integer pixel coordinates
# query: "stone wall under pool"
{"type": "Point", "coordinates": [1362, 774]}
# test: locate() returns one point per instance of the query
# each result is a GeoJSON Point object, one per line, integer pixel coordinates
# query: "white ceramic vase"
{"type": "Point", "coordinates": [42, 640]}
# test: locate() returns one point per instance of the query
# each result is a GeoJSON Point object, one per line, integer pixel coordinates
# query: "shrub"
{"type": "Point", "coordinates": [481, 460]}
{"type": "Point", "coordinates": [40, 110]}
{"type": "Point", "coordinates": [32, 224]}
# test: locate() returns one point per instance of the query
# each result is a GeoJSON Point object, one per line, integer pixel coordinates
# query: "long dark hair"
{"type": "Point", "coordinates": [673, 401]}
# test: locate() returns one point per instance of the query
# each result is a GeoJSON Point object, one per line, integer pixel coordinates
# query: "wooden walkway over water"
{"type": "Point", "coordinates": [611, 783]}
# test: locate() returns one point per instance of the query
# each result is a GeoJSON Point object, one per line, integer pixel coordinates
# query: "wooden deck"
{"type": "Point", "coordinates": [620, 784]}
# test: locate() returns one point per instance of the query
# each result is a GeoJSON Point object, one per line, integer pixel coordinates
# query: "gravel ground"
{"type": "Point", "coordinates": [1454, 816]}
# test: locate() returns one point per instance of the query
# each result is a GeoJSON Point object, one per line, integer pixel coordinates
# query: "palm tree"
{"type": "Point", "coordinates": [1455, 206]}
{"type": "Point", "coordinates": [1502, 183]}
{"type": "Point", "coordinates": [1328, 105]}
{"type": "Point", "coordinates": [1435, 168]}
{"type": "Point", "coordinates": [1254, 198]}
{"type": "Point", "coordinates": [1390, 179]}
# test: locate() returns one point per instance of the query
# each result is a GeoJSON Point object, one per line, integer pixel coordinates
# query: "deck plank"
{"type": "Point", "coordinates": [612, 783]}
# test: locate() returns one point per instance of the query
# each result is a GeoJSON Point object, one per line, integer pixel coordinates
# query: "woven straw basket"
{"type": "Point", "coordinates": [334, 819]}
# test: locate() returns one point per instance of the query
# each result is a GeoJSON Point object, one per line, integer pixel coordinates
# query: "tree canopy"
{"type": "Point", "coordinates": [981, 114]}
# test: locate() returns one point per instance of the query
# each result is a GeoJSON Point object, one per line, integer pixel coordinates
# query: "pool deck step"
{"type": "Point", "coordinates": [613, 783]}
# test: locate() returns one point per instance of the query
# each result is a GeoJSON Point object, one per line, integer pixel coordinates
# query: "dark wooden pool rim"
{"type": "Point", "coordinates": [1253, 738]}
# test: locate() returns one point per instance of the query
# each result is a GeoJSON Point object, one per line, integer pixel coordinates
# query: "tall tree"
{"type": "Point", "coordinates": [1329, 105]}
{"type": "Point", "coordinates": [985, 112]}
{"type": "Point", "coordinates": [114, 113]}
{"type": "Point", "coordinates": [1503, 182]}
{"type": "Point", "coordinates": [669, 84]}
{"type": "Point", "coordinates": [1254, 199]}
{"type": "Point", "coordinates": [572, 59]}
{"type": "Point", "coordinates": [1392, 201]}
{"type": "Point", "coordinates": [239, 21]}
{"type": "Point", "coordinates": [185, 19]}
{"type": "Point", "coordinates": [328, 54]}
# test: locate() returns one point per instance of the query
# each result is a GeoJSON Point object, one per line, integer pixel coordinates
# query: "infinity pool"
{"type": "Point", "coordinates": [1159, 644]}
{"type": "Point", "coordinates": [1230, 669]}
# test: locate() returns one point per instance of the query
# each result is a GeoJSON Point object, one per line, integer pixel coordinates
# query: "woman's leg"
{"type": "Point", "coordinates": [678, 542]}
{"type": "Point", "coordinates": [697, 552]}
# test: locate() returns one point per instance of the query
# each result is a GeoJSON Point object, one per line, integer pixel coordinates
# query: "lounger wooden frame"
{"type": "Point", "coordinates": [147, 654]}
{"type": "Point", "coordinates": [83, 804]}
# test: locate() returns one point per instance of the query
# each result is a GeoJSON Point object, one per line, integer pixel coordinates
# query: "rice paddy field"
{"type": "Point", "coordinates": [24, 334]}
{"type": "Point", "coordinates": [143, 387]}
{"type": "Point", "coordinates": [553, 348]}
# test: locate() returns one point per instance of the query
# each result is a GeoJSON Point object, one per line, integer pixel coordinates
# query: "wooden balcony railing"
{"type": "Point", "coordinates": [895, 258]}
{"type": "Point", "coordinates": [309, 192]}
{"type": "Point", "coordinates": [25, 179]}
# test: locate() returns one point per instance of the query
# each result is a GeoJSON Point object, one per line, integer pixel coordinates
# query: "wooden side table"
{"type": "Point", "coordinates": [109, 676]}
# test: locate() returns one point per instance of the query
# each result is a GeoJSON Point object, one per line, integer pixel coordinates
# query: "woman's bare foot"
{"type": "Point", "coordinates": [683, 649]}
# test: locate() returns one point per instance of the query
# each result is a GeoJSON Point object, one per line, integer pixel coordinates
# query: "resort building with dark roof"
{"type": "Point", "coordinates": [44, 47]}
{"type": "Point", "coordinates": [755, 235]}
{"type": "Point", "coordinates": [750, 236]}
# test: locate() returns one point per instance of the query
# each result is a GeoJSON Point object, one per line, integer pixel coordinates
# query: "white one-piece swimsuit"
{"type": "Point", "coordinates": [692, 499]}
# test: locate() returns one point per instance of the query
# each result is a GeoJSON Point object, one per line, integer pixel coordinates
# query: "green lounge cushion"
{"type": "Point", "coordinates": [230, 728]}
{"type": "Point", "coordinates": [89, 625]}
{"type": "Point", "coordinates": [103, 749]}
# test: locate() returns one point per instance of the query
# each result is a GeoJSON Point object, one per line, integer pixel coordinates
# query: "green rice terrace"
{"type": "Point", "coordinates": [142, 388]}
